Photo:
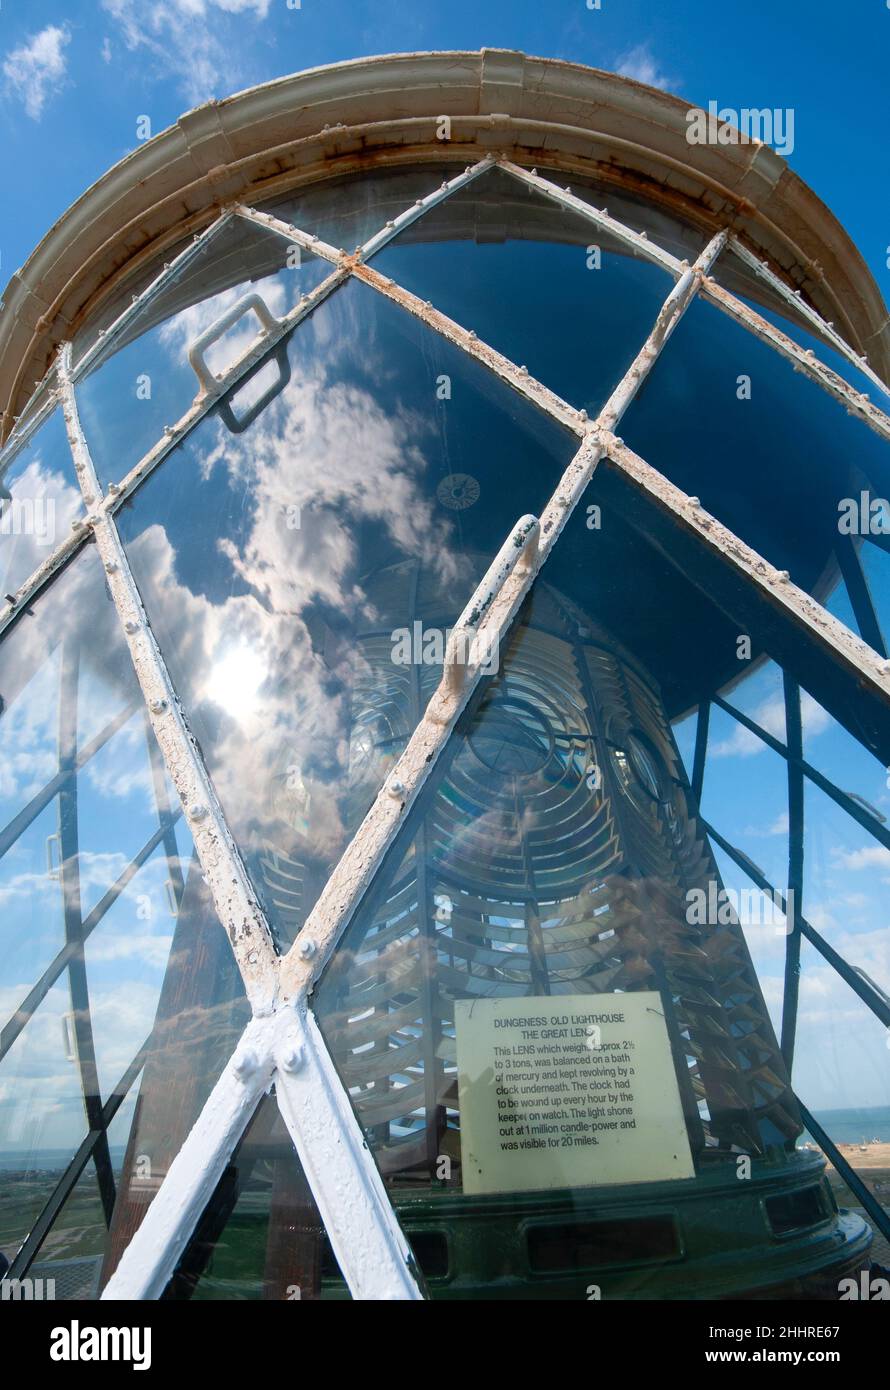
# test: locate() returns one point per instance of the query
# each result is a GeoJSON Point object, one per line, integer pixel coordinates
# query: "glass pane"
{"type": "Point", "coordinates": [684, 731]}
{"type": "Point", "coordinates": [553, 876]}
{"type": "Point", "coordinates": [665, 229]}
{"type": "Point", "coordinates": [72, 1253]}
{"type": "Point", "coordinates": [117, 300]}
{"type": "Point", "coordinates": [127, 956]}
{"type": "Point", "coordinates": [842, 1077]}
{"type": "Point", "coordinates": [261, 1235]}
{"type": "Point", "coordinates": [31, 909]}
{"type": "Point", "coordinates": [42, 1119]}
{"type": "Point", "coordinates": [875, 562]}
{"type": "Point", "coordinates": [44, 877]}
{"type": "Point", "coordinates": [116, 808]}
{"type": "Point", "coordinates": [39, 498]}
{"type": "Point", "coordinates": [144, 380]}
{"type": "Point", "coordinates": [283, 568]}
{"type": "Point", "coordinates": [761, 445]}
{"type": "Point", "coordinates": [540, 284]}
{"type": "Point", "coordinates": [834, 752]}
{"type": "Point", "coordinates": [745, 795]}
{"type": "Point", "coordinates": [196, 1011]}
{"type": "Point", "coordinates": [737, 277]}
{"type": "Point", "coordinates": [346, 212]}
{"type": "Point", "coordinates": [74, 1248]}
{"type": "Point", "coordinates": [845, 887]}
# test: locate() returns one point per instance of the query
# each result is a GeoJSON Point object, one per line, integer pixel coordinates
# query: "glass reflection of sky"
{"type": "Point", "coordinates": [39, 498]}
{"type": "Point", "coordinates": [255, 554]}
{"type": "Point", "coordinates": [518, 275]}
{"type": "Point", "coordinates": [846, 873]}
{"type": "Point", "coordinates": [41, 658]}
{"type": "Point", "coordinates": [147, 382]}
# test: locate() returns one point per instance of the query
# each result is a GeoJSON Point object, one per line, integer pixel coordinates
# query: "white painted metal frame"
{"type": "Point", "coordinates": [282, 1045]}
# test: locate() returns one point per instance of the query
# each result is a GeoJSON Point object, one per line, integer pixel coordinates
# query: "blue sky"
{"type": "Point", "coordinates": [74, 78]}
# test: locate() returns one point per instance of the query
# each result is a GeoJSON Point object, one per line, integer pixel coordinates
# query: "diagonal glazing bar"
{"type": "Point", "coordinates": [421, 206]}
{"type": "Point", "coordinates": [39, 991]}
{"type": "Point", "coordinates": [69, 1179]}
{"type": "Point", "coordinates": [847, 972]}
{"type": "Point", "coordinates": [109, 336]}
{"type": "Point", "coordinates": [363, 1230]}
{"type": "Point", "coordinates": [841, 798]}
{"type": "Point", "coordinates": [861, 673]}
{"type": "Point", "coordinates": [601, 219]}
{"type": "Point", "coordinates": [20, 822]}
{"type": "Point", "coordinates": [359, 863]}
{"type": "Point", "coordinates": [796, 300]}
{"type": "Point", "coordinates": [803, 359]}
{"type": "Point", "coordinates": [290, 233]}
{"type": "Point", "coordinates": [20, 434]}
{"type": "Point", "coordinates": [380, 238]}
{"type": "Point", "coordinates": [226, 385]}
{"type": "Point", "coordinates": [861, 1192]}
{"type": "Point", "coordinates": [791, 993]}
{"type": "Point", "coordinates": [150, 1259]}
{"type": "Point", "coordinates": [516, 376]}
{"type": "Point", "coordinates": [174, 435]}
{"type": "Point", "coordinates": [220, 859]}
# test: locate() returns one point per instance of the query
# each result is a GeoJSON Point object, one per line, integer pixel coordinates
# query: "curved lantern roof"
{"type": "Point", "coordinates": [387, 110]}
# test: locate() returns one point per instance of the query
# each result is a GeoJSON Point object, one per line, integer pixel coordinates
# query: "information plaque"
{"type": "Point", "coordinates": [567, 1091]}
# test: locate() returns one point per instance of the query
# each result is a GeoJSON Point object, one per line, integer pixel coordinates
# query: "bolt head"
{"type": "Point", "coordinates": [291, 1059]}
{"type": "Point", "coordinates": [158, 706]}
{"type": "Point", "coordinates": [305, 947]}
{"type": "Point", "coordinates": [246, 1064]}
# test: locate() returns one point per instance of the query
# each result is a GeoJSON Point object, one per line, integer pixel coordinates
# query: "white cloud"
{"type": "Point", "coordinates": [871, 857]}
{"type": "Point", "coordinates": [771, 717]}
{"type": "Point", "coordinates": [639, 64]}
{"type": "Point", "coordinates": [35, 70]}
{"type": "Point", "coordinates": [193, 41]}
{"type": "Point", "coordinates": [106, 50]}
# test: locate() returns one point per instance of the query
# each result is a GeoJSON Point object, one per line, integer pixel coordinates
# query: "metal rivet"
{"type": "Point", "coordinates": [291, 1058]}
{"type": "Point", "coordinates": [245, 1064]}
{"type": "Point", "coordinates": [114, 489]}
{"type": "Point", "coordinates": [695, 502]}
{"type": "Point", "coordinates": [396, 787]}
{"type": "Point", "coordinates": [158, 706]}
{"type": "Point", "coordinates": [130, 626]}
{"type": "Point", "coordinates": [783, 576]}
{"type": "Point", "coordinates": [111, 567]}
{"type": "Point", "coordinates": [305, 947]}
{"type": "Point", "coordinates": [197, 812]}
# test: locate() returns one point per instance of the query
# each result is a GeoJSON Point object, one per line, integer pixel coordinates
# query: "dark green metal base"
{"type": "Point", "coordinates": [777, 1234]}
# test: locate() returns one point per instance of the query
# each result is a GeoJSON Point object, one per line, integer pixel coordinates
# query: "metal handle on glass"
{"type": "Point", "coordinates": [268, 323]}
